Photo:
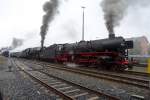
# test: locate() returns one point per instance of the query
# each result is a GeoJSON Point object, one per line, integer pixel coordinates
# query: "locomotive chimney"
{"type": "Point", "coordinates": [111, 35]}
{"type": "Point", "coordinates": [42, 47]}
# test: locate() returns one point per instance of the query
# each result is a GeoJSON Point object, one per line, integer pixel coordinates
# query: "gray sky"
{"type": "Point", "coordinates": [23, 19]}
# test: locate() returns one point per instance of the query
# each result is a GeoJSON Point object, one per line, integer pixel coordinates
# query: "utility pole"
{"type": "Point", "coordinates": [83, 24]}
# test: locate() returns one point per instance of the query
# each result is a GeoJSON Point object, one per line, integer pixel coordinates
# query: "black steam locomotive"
{"type": "Point", "coordinates": [110, 53]}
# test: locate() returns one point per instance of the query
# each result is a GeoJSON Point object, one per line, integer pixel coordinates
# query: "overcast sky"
{"type": "Point", "coordinates": [23, 19]}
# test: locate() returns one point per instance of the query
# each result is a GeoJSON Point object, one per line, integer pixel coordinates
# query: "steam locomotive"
{"type": "Point", "coordinates": [110, 53]}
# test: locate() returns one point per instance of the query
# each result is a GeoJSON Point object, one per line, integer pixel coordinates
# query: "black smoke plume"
{"type": "Point", "coordinates": [16, 43]}
{"type": "Point", "coordinates": [50, 9]}
{"type": "Point", "coordinates": [114, 11]}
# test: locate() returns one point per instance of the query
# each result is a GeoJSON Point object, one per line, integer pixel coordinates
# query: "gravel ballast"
{"type": "Point", "coordinates": [123, 91]}
{"type": "Point", "coordinates": [16, 85]}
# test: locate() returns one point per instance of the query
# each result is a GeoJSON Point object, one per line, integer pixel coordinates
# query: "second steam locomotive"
{"type": "Point", "coordinates": [110, 53]}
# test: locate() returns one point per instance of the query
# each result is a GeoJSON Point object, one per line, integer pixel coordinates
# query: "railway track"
{"type": "Point", "coordinates": [65, 89]}
{"type": "Point", "coordinates": [137, 73]}
{"type": "Point", "coordinates": [127, 72]}
{"type": "Point", "coordinates": [138, 82]}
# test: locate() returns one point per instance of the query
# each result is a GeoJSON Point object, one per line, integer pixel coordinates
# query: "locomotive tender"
{"type": "Point", "coordinates": [110, 53]}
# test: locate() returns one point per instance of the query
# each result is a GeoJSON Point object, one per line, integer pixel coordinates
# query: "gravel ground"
{"type": "Point", "coordinates": [16, 85]}
{"type": "Point", "coordinates": [120, 90]}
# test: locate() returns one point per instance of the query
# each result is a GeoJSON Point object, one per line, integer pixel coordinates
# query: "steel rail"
{"type": "Point", "coordinates": [66, 97]}
{"type": "Point", "coordinates": [122, 79]}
